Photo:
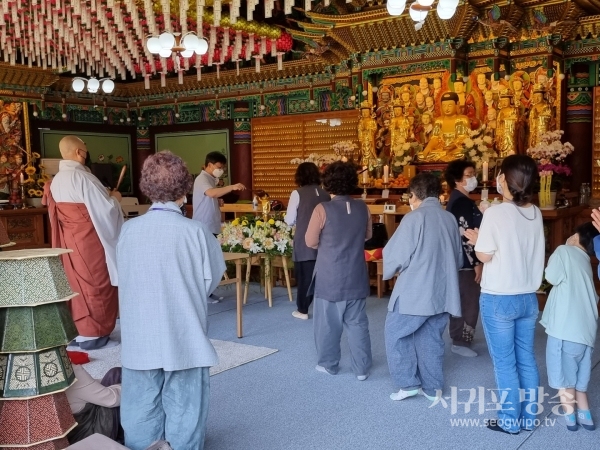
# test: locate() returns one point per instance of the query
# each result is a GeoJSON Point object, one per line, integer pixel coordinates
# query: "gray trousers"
{"type": "Point", "coordinates": [415, 350]}
{"type": "Point", "coordinates": [330, 318]}
{"type": "Point", "coordinates": [157, 404]}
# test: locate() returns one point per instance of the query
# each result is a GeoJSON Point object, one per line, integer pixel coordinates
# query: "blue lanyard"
{"type": "Point", "coordinates": [166, 209]}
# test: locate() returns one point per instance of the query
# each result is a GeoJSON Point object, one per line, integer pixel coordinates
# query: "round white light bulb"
{"type": "Point", "coordinates": [165, 52]}
{"type": "Point", "coordinates": [425, 2]}
{"type": "Point", "coordinates": [121, 120]}
{"type": "Point", "coordinates": [465, 79]}
{"type": "Point", "coordinates": [177, 115]}
{"type": "Point", "coordinates": [262, 107]}
{"type": "Point", "coordinates": [187, 53]}
{"type": "Point", "coordinates": [353, 97]}
{"type": "Point", "coordinates": [416, 14]}
{"type": "Point", "coordinates": [108, 86]}
{"type": "Point", "coordinates": [561, 76]}
{"type": "Point", "coordinates": [105, 118]}
{"type": "Point", "coordinates": [448, 4]}
{"type": "Point", "coordinates": [396, 4]}
{"type": "Point", "coordinates": [202, 47]}
{"type": "Point", "coordinates": [78, 85]}
{"type": "Point", "coordinates": [445, 13]}
{"type": "Point", "coordinates": [218, 111]}
{"type": "Point", "coordinates": [166, 40]}
{"type": "Point", "coordinates": [364, 93]}
{"type": "Point", "coordinates": [92, 85]}
{"type": "Point", "coordinates": [312, 102]}
{"type": "Point", "coordinates": [375, 89]}
{"type": "Point", "coordinates": [35, 114]}
{"type": "Point", "coordinates": [153, 45]}
{"type": "Point", "coordinates": [396, 10]}
{"type": "Point", "coordinates": [190, 41]}
{"type": "Point", "coordinates": [64, 116]}
{"type": "Point", "coordinates": [128, 119]}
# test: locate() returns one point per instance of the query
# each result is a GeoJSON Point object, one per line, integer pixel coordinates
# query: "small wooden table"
{"type": "Point", "coordinates": [238, 258]}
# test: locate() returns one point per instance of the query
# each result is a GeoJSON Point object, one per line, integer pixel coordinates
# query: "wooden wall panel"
{"type": "Point", "coordinates": [277, 140]}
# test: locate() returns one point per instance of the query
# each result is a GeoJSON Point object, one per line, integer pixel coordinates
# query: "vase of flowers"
{"type": "Point", "coordinates": [321, 161]}
{"type": "Point", "coordinates": [404, 155]}
{"type": "Point", "coordinates": [479, 149]}
{"type": "Point", "coordinates": [253, 235]}
{"type": "Point", "coordinates": [344, 150]}
{"type": "Point", "coordinates": [550, 155]}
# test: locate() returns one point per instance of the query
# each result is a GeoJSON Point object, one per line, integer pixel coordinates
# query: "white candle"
{"type": "Point", "coordinates": [386, 174]}
{"type": "Point", "coordinates": [365, 175]}
{"type": "Point", "coordinates": [484, 175]}
{"type": "Point", "coordinates": [22, 178]}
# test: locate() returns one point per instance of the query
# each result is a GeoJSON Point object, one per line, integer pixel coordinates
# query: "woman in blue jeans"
{"type": "Point", "coordinates": [510, 244]}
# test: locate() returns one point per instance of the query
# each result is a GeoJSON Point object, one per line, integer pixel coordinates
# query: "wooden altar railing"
{"type": "Point", "coordinates": [28, 228]}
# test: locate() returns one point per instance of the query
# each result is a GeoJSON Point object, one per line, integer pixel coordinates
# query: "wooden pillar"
{"type": "Point", "coordinates": [241, 150]}
{"type": "Point", "coordinates": [579, 132]}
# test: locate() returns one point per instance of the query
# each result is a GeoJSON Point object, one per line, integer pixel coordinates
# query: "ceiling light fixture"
{"type": "Point", "coordinates": [93, 85]}
{"type": "Point", "coordinates": [186, 45]}
{"type": "Point", "coordinates": [419, 9]}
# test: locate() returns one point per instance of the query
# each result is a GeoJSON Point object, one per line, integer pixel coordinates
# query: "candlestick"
{"type": "Point", "coordinates": [485, 170]}
{"type": "Point", "coordinates": [386, 174]}
{"type": "Point", "coordinates": [365, 175]}
{"type": "Point", "coordinates": [21, 178]}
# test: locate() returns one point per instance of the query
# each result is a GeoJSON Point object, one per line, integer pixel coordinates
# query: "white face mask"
{"type": "Point", "coordinates": [218, 173]}
{"type": "Point", "coordinates": [471, 184]}
{"type": "Point", "coordinates": [499, 186]}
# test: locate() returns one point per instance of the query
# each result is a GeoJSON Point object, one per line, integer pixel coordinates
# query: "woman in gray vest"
{"type": "Point", "coordinates": [340, 283]}
{"type": "Point", "coordinates": [300, 207]}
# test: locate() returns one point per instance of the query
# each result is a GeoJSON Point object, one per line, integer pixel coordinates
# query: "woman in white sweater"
{"type": "Point", "coordinates": [510, 244]}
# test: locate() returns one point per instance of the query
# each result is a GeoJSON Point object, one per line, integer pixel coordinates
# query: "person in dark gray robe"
{"type": "Point", "coordinates": [426, 252]}
{"type": "Point", "coordinates": [340, 280]}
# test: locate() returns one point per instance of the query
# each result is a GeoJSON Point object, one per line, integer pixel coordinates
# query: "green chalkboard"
{"type": "Point", "coordinates": [114, 150]}
{"type": "Point", "coordinates": [193, 146]}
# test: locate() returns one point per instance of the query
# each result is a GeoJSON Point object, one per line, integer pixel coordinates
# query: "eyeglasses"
{"type": "Point", "coordinates": [410, 195]}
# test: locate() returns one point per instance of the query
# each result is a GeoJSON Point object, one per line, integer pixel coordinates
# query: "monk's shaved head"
{"type": "Point", "coordinates": [68, 147]}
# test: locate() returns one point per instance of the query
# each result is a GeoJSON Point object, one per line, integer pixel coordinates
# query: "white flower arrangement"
{"type": "Point", "coordinates": [405, 155]}
{"type": "Point", "coordinates": [318, 160]}
{"type": "Point", "coordinates": [550, 153]}
{"type": "Point", "coordinates": [344, 149]}
{"type": "Point", "coordinates": [252, 235]}
{"type": "Point", "coordinates": [479, 149]}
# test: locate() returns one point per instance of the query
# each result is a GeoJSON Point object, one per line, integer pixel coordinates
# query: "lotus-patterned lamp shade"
{"type": "Point", "coordinates": [56, 444]}
{"type": "Point", "coordinates": [36, 420]}
{"type": "Point", "coordinates": [33, 374]}
{"type": "Point", "coordinates": [32, 277]}
{"type": "Point", "coordinates": [35, 328]}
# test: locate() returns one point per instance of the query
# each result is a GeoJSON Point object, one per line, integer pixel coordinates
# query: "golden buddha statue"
{"type": "Point", "coordinates": [540, 115]}
{"type": "Point", "coordinates": [400, 128]}
{"type": "Point", "coordinates": [449, 132]}
{"type": "Point", "coordinates": [506, 125]}
{"type": "Point", "coordinates": [367, 127]}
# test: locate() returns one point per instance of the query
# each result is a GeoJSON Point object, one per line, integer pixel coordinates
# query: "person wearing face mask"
{"type": "Point", "coordinates": [510, 244]}
{"type": "Point", "coordinates": [460, 176]}
{"type": "Point", "coordinates": [207, 195]}
{"type": "Point", "coordinates": [85, 217]}
{"type": "Point", "coordinates": [166, 353]}
{"type": "Point", "coordinates": [427, 254]}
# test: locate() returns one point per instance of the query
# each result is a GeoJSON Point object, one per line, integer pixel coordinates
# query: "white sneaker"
{"type": "Point", "coordinates": [324, 370]}
{"type": "Point", "coordinates": [299, 315]}
{"type": "Point", "coordinates": [362, 377]}
{"type": "Point", "coordinates": [401, 395]}
{"type": "Point", "coordinates": [463, 351]}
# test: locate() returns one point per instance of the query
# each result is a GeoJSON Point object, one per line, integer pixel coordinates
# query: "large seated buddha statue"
{"type": "Point", "coordinates": [449, 132]}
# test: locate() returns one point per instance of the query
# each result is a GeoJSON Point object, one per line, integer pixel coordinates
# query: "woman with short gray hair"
{"type": "Point", "coordinates": [426, 252]}
{"type": "Point", "coordinates": [168, 266]}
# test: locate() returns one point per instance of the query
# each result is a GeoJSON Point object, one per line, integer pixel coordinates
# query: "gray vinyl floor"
{"type": "Point", "coordinates": [281, 402]}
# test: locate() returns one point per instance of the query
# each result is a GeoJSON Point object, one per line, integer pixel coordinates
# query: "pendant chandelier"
{"type": "Point", "coordinates": [419, 10]}
{"type": "Point", "coordinates": [168, 43]}
{"type": "Point", "coordinates": [93, 84]}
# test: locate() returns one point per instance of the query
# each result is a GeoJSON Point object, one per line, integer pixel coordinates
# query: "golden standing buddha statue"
{"type": "Point", "coordinates": [449, 132]}
{"type": "Point", "coordinates": [540, 115]}
{"type": "Point", "coordinates": [506, 125]}
{"type": "Point", "coordinates": [400, 128]}
{"type": "Point", "coordinates": [367, 127]}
